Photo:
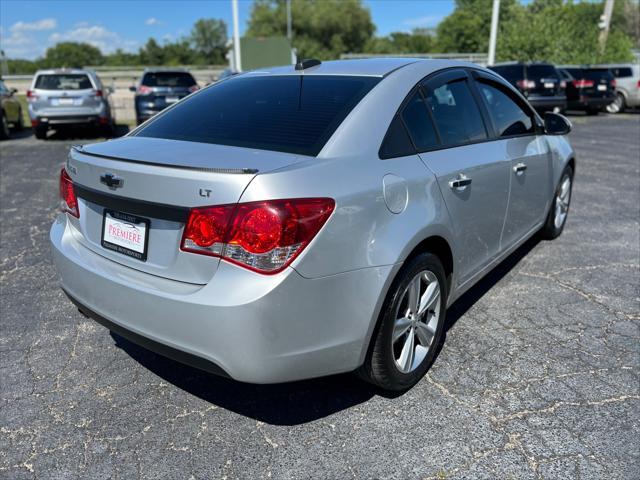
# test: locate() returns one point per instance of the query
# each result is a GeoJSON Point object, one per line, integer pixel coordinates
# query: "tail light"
{"type": "Point", "coordinates": [31, 96]}
{"type": "Point", "coordinates": [638, 84]}
{"type": "Point", "coordinates": [526, 84]}
{"type": "Point", "coordinates": [583, 83]}
{"type": "Point", "coordinates": [194, 88]}
{"type": "Point", "coordinates": [262, 236]}
{"type": "Point", "coordinates": [68, 199]}
{"type": "Point", "coordinates": [144, 90]}
{"type": "Point", "coordinates": [613, 83]}
{"type": "Point", "coordinates": [97, 93]}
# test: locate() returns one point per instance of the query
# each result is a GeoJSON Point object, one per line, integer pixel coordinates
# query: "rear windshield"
{"type": "Point", "coordinates": [511, 73]}
{"type": "Point", "coordinates": [295, 114]}
{"type": "Point", "coordinates": [622, 72]}
{"type": "Point", "coordinates": [63, 81]}
{"type": "Point", "coordinates": [168, 79]}
{"type": "Point", "coordinates": [537, 72]}
{"type": "Point", "coordinates": [589, 73]}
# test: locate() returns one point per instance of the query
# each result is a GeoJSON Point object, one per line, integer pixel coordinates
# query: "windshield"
{"type": "Point", "coordinates": [289, 113]}
{"type": "Point", "coordinates": [63, 81]}
{"type": "Point", "coordinates": [168, 79]}
{"type": "Point", "coordinates": [537, 72]}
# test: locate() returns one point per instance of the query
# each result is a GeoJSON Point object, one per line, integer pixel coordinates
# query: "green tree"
{"type": "Point", "coordinates": [71, 54]}
{"type": "Point", "coordinates": [152, 53]}
{"type": "Point", "coordinates": [322, 29]}
{"type": "Point", "coordinates": [419, 41]}
{"type": "Point", "coordinates": [209, 39]}
{"type": "Point", "coordinates": [122, 58]}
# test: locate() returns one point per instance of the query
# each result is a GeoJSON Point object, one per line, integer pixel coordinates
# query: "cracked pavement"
{"type": "Point", "coordinates": [538, 377]}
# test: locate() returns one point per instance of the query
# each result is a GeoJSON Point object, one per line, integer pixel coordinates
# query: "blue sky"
{"type": "Point", "coordinates": [27, 28]}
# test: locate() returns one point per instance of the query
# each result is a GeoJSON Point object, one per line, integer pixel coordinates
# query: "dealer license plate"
{"type": "Point", "coordinates": [125, 234]}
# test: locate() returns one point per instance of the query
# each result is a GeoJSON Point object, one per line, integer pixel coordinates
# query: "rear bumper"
{"type": "Point", "coordinates": [548, 103]}
{"type": "Point", "coordinates": [587, 102]}
{"type": "Point", "coordinates": [254, 328]}
{"type": "Point", "coordinates": [70, 120]}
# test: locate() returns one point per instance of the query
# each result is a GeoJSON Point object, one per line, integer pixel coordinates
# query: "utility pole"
{"type": "Point", "coordinates": [494, 32]}
{"type": "Point", "coordinates": [605, 21]}
{"type": "Point", "coordinates": [236, 37]}
{"type": "Point", "coordinates": [289, 32]}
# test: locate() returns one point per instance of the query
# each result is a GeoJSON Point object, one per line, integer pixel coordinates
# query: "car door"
{"type": "Point", "coordinates": [10, 104]}
{"type": "Point", "coordinates": [519, 139]}
{"type": "Point", "coordinates": [473, 175]}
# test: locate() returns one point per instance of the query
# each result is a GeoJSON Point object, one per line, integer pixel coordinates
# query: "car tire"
{"type": "Point", "coordinates": [618, 105]}
{"type": "Point", "coordinates": [19, 125]}
{"type": "Point", "coordinates": [557, 217]}
{"type": "Point", "coordinates": [40, 133]}
{"type": "Point", "coordinates": [4, 127]}
{"type": "Point", "coordinates": [404, 345]}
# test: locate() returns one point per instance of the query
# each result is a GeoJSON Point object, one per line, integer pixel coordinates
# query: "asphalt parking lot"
{"type": "Point", "coordinates": [538, 377]}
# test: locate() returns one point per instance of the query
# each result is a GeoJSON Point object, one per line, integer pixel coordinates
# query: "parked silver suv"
{"type": "Point", "coordinates": [627, 86]}
{"type": "Point", "coordinates": [296, 222]}
{"type": "Point", "coordinates": [58, 98]}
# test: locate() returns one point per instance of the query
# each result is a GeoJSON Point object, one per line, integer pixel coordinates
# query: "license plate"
{"type": "Point", "coordinates": [125, 234]}
{"type": "Point", "coordinates": [172, 99]}
{"type": "Point", "coordinates": [602, 88]}
{"type": "Point", "coordinates": [65, 101]}
{"type": "Point", "coordinates": [549, 85]}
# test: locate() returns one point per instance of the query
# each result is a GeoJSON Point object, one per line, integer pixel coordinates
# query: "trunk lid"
{"type": "Point", "coordinates": [158, 181]}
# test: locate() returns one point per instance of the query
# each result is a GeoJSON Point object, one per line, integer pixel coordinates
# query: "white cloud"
{"type": "Point", "coordinates": [22, 40]}
{"type": "Point", "coordinates": [96, 35]}
{"type": "Point", "coordinates": [44, 24]}
{"type": "Point", "coordinates": [152, 21]}
{"type": "Point", "coordinates": [424, 22]}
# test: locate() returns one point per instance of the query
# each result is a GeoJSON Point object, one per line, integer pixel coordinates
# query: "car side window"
{"type": "Point", "coordinates": [508, 117]}
{"type": "Point", "coordinates": [456, 114]}
{"type": "Point", "coordinates": [416, 118]}
{"type": "Point", "coordinates": [396, 142]}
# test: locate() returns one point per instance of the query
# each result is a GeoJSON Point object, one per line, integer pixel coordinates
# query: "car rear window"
{"type": "Point", "coordinates": [622, 72]}
{"type": "Point", "coordinates": [168, 79]}
{"type": "Point", "coordinates": [537, 72]}
{"type": "Point", "coordinates": [63, 81]}
{"type": "Point", "coordinates": [511, 73]}
{"type": "Point", "coordinates": [288, 113]}
{"type": "Point", "coordinates": [597, 73]}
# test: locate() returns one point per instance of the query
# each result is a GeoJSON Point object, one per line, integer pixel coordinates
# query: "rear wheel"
{"type": "Point", "coordinates": [4, 127]}
{"type": "Point", "coordinates": [559, 210]}
{"type": "Point", "coordinates": [40, 133]}
{"type": "Point", "coordinates": [410, 326]}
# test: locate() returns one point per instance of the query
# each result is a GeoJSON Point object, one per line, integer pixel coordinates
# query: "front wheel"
{"type": "Point", "coordinates": [618, 104]}
{"type": "Point", "coordinates": [410, 326]}
{"type": "Point", "coordinates": [559, 210]}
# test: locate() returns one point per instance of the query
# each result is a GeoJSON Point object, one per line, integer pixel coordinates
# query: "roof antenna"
{"type": "Point", "coordinates": [303, 64]}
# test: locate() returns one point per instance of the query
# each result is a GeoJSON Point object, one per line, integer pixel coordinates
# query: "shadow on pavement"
{"type": "Point", "coordinates": [297, 402]}
{"type": "Point", "coordinates": [85, 133]}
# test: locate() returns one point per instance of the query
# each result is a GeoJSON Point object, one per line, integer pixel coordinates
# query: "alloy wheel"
{"type": "Point", "coordinates": [563, 197]}
{"type": "Point", "coordinates": [417, 318]}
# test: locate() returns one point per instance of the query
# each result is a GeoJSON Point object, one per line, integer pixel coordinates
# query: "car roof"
{"type": "Point", "coordinates": [166, 69]}
{"type": "Point", "coordinates": [52, 71]}
{"type": "Point", "coordinates": [371, 67]}
{"type": "Point", "coordinates": [503, 64]}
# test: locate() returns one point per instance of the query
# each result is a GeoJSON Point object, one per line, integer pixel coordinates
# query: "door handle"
{"type": "Point", "coordinates": [519, 168]}
{"type": "Point", "coordinates": [460, 183]}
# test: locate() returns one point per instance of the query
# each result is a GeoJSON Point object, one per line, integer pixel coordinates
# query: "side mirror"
{"type": "Point", "coordinates": [556, 124]}
{"type": "Point", "coordinates": [13, 90]}
{"type": "Point", "coordinates": [132, 88]}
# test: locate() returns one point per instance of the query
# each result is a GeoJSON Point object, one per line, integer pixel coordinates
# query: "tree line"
{"type": "Point", "coordinates": [559, 31]}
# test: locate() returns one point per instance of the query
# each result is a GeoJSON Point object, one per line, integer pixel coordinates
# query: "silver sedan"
{"type": "Point", "coordinates": [309, 220]}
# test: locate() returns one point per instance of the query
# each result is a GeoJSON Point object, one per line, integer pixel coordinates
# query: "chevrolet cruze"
{"type": "Point", "coordinates": [302, 221]}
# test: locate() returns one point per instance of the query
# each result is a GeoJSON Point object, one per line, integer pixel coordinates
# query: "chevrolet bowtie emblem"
{"type": "Point", "coordinates": [111, 181]}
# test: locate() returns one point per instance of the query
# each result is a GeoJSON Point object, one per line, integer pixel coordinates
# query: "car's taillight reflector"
{"type": "Point", "coordinates": [194, 88]}
{"type": "Point", "coordinates": [68, 199]}
{"type": "Point", "coordinates": [526, 84]}
{"type": "Point", "coordinates": [97, 93]}
{"type": "Point", "coordinates": [31, 95]}
{"type": "Point", "coordinates": [613, 83]}
{"type": "Point", "coordinates": [262, 236]}
{"type": "Point", "coordinates": [144, 90]}
{"type": "Point", "coordinates": [583, 83]}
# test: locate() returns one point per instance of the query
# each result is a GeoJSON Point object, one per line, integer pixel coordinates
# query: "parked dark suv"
{"type": "Point", "coordinates": [588, 88]}
{"type": "Point", "coordinates": [539, 82]}
{"type": "Point", "coordinates": [160, 88]}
